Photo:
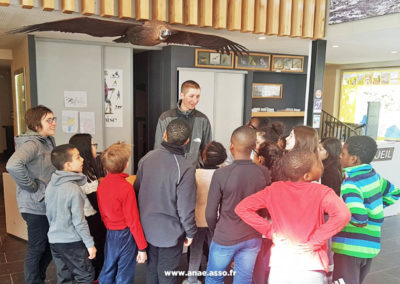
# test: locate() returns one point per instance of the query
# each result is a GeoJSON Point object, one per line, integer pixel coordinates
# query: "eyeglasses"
{"type": "Point", "coordinates": [51, 120]}
{"type": "Point", "coordinates": [95, 145]}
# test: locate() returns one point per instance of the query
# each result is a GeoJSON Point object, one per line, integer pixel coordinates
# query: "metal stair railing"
{"type": "Point", "coordinates": [333, 127]}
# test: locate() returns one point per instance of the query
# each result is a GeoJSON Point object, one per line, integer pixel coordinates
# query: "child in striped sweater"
{"type": "Point", "coordinates": [365, 193]}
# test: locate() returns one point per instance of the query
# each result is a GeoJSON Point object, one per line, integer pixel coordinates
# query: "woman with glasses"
{"type": "Point", "coordinates": [87, 149]}
{"type": "Point", "coordinates": [31, 168]}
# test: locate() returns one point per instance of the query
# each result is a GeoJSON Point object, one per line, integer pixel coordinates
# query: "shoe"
{"type": "Point", "coordinates": [186, 281]}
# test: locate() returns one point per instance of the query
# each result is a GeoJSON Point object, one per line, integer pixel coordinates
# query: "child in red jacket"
{"type": "Point", "coordinates": [297, 208]}
{"type": "Point", "coordinates": [120, 215]}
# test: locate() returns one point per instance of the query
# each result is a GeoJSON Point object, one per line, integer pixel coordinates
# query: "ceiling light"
{"type": "Point", "coordinates": [335, 46]}
{"type": "Point", "coordinates": [262, 37]}
{"type": "Point", "coordinates": [394, 51]}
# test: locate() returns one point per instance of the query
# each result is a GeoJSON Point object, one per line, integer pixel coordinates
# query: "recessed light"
{"type": "Point", "coordinates": [335, 46]}
{"type": "Point", "coordinates": [395, 51]}
{"type": "Point", "coordinates": [262, 37]}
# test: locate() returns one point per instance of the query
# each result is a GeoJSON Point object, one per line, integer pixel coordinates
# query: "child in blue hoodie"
{"type": "Point", "coordinates": [70, 241]}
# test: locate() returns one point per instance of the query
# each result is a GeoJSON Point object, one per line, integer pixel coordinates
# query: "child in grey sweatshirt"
{"type": "Point", "coordinates": [70, 241]}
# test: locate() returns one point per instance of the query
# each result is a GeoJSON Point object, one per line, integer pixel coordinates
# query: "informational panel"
{"type": "Point", "coordinates": [386, 163]}
{"type": "Point", "coordinates": [378, 85]}
{"type": "Point", "coordinates": [222, 99]}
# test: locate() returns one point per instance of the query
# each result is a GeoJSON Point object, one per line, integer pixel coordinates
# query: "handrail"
{"type": "Point", "coordinates": [333, 127]}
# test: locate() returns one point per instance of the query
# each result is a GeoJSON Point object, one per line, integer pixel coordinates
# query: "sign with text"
{"type": "Point", "coordinates": [384, 154]}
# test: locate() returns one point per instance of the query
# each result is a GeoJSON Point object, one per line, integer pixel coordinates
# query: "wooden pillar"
{"type": "Point", "coordinates": [260, 21]}
{"type": "Point", "coordinates": [297, 18]}
{"type": "Point", "coordinates": [107, 8]}
{"type": "Point", "coordinates": [319, 21]}
{"type": "Point", "coordinates": [308, 18]}
{"type": "Point", "coordinates": [4, 2]}
{"type": "Point", "coordinates": [142, 9]}
{"type": "Point", "coordinates": [191, 12]}
{"type": "Point", "coordinates": [48, 5]}
{"type": "Point", "coordinates": [273, 17]}
{"type": "Point", "coordinates": [27, 4]}
{"type": "Point", "coordinates": [87, 7]}
{"type": "Point", "coordinates": [68, 6]}
{"type": "Point", "coordinates": [159, 10]}
{"type": "Point", "coordinates": [248, 16]}
{"type": "Point", "coordinates": [234, 15]}
{"type": "Point", "coordinates": [205, 13]}
{"type": "Point", "coordinates": [175, 13]}
{"type": "Point", "coordinates": [220, 9]}
{"type": "Point", "coordinates": [285, 17]}
{"type": "Point", "coordinates": [124, 9]}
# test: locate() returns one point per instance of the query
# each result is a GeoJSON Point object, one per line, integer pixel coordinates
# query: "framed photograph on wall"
{"type": "Point", "coordinates": [267, 91]}
{"type": "Point", "coordinates": [212, 59]}
{"type": "Point", "coordinates": [286, 63]}
{"type": "Point", "coordinates": [253, 61]}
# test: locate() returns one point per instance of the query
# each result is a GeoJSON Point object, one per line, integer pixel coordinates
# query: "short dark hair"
{"type": "Point", "coordinates": [215, 154]}
{"type": "Point", "coordinates": [244, 139]}
{"type": "Point", "coordinates": [297, 163]}
{"type": "Point", "coordinates": [34, 115]}
{"type": "Point", "coordinates": [189, 84]}
{"type": "Point", "coordinates": [178, 131]}
{"type": "Point", "coordinates": [61, 155]}
{"type": "Point", "coordinates": [364, 147]}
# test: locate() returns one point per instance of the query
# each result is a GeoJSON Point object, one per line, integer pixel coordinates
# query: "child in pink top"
{"type": "Point", "coordinates": [297, 209]}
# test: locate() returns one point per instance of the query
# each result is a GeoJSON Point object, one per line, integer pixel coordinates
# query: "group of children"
{"type": "Point", "coordinates": [230, 210]}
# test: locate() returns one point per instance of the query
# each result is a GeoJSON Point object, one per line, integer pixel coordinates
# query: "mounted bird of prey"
{"type": "Point", "coordinates": [147, 33]}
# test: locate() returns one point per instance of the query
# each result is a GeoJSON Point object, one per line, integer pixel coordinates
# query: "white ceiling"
{"type": "Point", "coordinates": [368, 40]}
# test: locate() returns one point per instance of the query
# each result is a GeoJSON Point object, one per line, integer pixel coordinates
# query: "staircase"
{"type": "Point", "coordinates": [333, 127]}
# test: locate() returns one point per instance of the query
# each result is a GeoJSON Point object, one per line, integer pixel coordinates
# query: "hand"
{"type": "Point", "coordinates": [92, 252]}
{"type": "Point", "coordinates": [188, 242]}
{"type": "Point", "coordinates": [141, 257]}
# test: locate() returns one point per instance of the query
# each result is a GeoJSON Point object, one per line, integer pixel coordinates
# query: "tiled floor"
{"type": "Point", "coordinates": [385, 267]}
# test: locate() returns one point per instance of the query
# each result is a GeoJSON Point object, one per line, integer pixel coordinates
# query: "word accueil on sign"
{"type": "Point", "coordinates": [384, 154]}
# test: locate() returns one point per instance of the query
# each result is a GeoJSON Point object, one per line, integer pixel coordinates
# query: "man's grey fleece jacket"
{"type": "Point", "coordinates": [31, 168]}
{"type": "Point", "coordinates": [64, 209]}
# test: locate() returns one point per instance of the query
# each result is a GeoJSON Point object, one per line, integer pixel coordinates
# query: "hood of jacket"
{"type": "Point", "coordinates": [32, 136]}
{"type": "Point", "coordinates": [60, 177]}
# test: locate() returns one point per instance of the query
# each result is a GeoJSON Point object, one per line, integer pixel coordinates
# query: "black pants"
{"type": "Point", "coordinates": [38, 256]}
{"type": "Point", "coordinates": [352, 270]}
{"type": "Point", "coordinates": [72, 263]}
{"type": "Point", "coordinates": [161, 260]}
{"type": "Point", "coordinates": [98, 231]}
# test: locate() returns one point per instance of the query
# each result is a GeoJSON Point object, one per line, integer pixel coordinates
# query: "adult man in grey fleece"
{"type": "Point", "coordinates": [31, 168]}
{"type": "Point", "coordinates": [200, 125]}
{"type": "Point", "coordinates": [165, 182]}
{"type": "Point", "coordinates": [70, 241]}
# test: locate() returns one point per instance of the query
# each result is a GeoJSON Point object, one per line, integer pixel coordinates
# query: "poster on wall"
{"type": "Point", "coordinates": [373, 86]}
{"type": "Point", "coordinates": [70, 121]}
{"type": "Point", "coordinates": [75, 99]}
{"type": "Point", "coordinates": [113, 98]}
{"type": "Point", "coordinates": [86, 122]}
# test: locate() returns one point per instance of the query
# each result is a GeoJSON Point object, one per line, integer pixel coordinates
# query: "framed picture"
{"type": "Point", "coordinates": [270, 91]}
{"type": "Point", "coordinates": [253, 61]}
{"type": "Point", "coordinates": [212, 59]}
{"type": "Point", "coordinates": [285, 63]}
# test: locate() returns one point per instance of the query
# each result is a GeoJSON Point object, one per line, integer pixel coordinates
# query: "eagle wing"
{"type": "Point", "coordinates": [91, 26]}
{"type": "Point", "coordinates": [217, 43]}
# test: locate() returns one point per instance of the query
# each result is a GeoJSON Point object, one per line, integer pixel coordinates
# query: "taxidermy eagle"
{"type": "Point", "coordinates": [147, 33]}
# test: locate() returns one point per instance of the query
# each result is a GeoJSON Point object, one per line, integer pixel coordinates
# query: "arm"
{"type": "Point", "coordinates": [132, 219]}
{"type": "Point", "coordinates": [339, 216]}
{"type": "Point", "coordinates": [186, 202]}
{"type": "Point", "coordinates": [207, 136]}
{"type": "Point", "coordinates": [16, 166]}
{"type": "Point", "coordinates": [247, 208]}
{"type": "Point", "coordinates": [78, 217]}
{"type": "Point", "coordinates": [213, 202]}
{"type": "Point", "coordinates": [160, 129]}
{"type": "Point", "coordinates": [390, 192]}
{"type": "Point", "coordinates": [354, 200]}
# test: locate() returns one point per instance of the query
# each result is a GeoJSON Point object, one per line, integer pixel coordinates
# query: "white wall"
{"type": "Point", "coordinates": [78, 66]}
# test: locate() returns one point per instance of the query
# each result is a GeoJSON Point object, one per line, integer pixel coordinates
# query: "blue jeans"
{"type": "Point", "coordinates": [38, 256]}
{"type": "Point", "coordinates": [244, 254]}
{"type": "Point", "coordinates": [119, 258]}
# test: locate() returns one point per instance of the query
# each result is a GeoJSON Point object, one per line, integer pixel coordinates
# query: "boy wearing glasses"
{"type": "Point", "coordinates": [31, 168]}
